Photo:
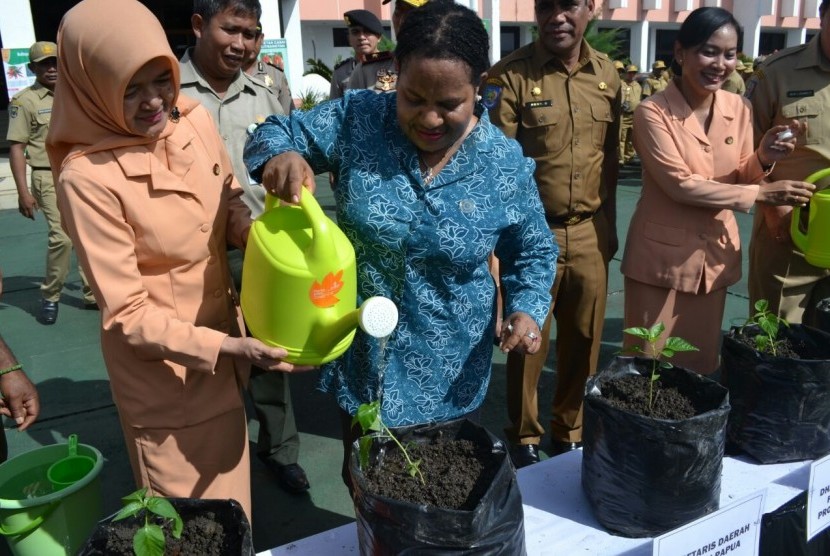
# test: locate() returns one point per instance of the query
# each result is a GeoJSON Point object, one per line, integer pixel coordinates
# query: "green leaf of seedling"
{"type": "Point", "coordinates": [414, 467]}
{"type": "Point", "coordinates": [678, 344]}
{"type": "Point", "coordinates": [639, 332]}
{"type": "Point", "coordinates": [762, 305]}
{"type": "Point", "coordinates": [149, 541]}
{"type": "Point", "coordinates": [131, 509]}
{"type": "Point", "coordinates": [138, 496]}
{"type": "Point", "coordinates": [656, 331]}
{"type": "Point", "coordinates": [368, 417]}
{"type": "Point", "coordinates": [162, 507]}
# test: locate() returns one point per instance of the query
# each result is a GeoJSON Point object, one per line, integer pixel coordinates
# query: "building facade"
{"type": "Point", "coordinates": [314, 29]}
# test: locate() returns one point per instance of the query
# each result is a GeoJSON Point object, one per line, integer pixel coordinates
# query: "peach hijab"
{"type": "Point", "coordinates": [101, 45]}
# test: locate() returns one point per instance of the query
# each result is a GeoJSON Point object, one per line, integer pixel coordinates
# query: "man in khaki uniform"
{"type": "Point", "coordinates": [237, 100]}
{"type": "Point", "coordinates": [792, 84]}
{"type": "Point", "coordinates": [655, 82]}
{"type": "Point", "coordinates": [29, 114]}
{"type": "Point", "coordinates": [631, 94]}
{"type": "Point", "coordinates": [273, 76]}
{"type": "Point", "coordinates": [560, 99]}
{"type": "Point", "coordinates": [378, 71]}
{"type": "Point", "coordinates": [734, 83]}
{"type": "Point", "coordinates": [620, 67]}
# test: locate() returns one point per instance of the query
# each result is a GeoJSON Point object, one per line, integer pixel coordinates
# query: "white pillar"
{"type": "Point", "coordinates": [492, 11]}
{"type": "Point", "coordinates": [16, 26]}
{"type": "Point", "coordinates": [270, 19]}
{"type": "Point", "coordinates": [294, 40]}
{"type": "Point", "coordinates": [748, 15]}
{"type": "Point", "coordinates": [639, 45]}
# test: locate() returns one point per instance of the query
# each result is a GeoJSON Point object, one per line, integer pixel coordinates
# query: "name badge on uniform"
{"type": "Point", "coordinates": [800, 94]}
{"type": "Point", "coordinates": [538, 103]}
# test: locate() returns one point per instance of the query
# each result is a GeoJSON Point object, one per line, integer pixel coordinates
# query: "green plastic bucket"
{"type": "Point", "coordinates": [36, 519]}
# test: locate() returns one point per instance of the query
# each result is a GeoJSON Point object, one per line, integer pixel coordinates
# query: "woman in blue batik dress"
{"type": "Point", "coordinates": [426, 189]}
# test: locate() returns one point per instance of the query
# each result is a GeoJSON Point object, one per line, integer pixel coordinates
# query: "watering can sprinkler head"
{"type": "Point", "coordinates": [378, 316]}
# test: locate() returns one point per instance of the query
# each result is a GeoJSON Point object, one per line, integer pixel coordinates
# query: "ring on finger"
{"type": "Point", "coordinates": [533, 336]}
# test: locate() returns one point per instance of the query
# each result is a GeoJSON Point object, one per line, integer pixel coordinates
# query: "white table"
{"type": "Point", "coordinates": [558, 518]}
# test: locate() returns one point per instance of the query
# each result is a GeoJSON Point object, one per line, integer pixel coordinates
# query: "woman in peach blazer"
{"type": "Point", "coordinates": [148, 195]}
{"type": "Point", "coordinates": [696, 147]}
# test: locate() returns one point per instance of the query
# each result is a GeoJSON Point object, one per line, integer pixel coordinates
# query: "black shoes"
{"type": "Point", "coordinates": [48, 311]}
{"type": "Point", "coordinates": [291, 477]}
{"type": "Point", "coordinates": [524, 455]}
{"type": "Point", "coordinates": [558, 447]}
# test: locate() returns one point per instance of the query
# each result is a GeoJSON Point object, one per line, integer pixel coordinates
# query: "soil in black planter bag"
{"type": "Point", "coordinates": [211, 528]}
{"type": "Point", "coordinates": [645, 476]}
{"type": "Point", "coordinates": [780, 406]}
{"type": "Point", "coordinates": [493, 526]}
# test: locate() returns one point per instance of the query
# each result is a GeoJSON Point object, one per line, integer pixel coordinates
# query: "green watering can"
{"type": "Point", "coordinates": [299, 285]}
{"type": "Point", "coordinates": [814, 241]}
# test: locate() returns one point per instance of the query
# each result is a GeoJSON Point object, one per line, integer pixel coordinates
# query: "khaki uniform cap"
{"type": "Point", "coordinates": [42, 50]}
{"type": "Point", "coordinates": [659, 64]}
{"type": "Point", "coordinates": [632, 67]}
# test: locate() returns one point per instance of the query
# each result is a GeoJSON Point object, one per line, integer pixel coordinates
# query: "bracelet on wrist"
{"type": "Point", "coordinates": [10, 369]}
{"type": "Point", "coordinates": [767, 168]}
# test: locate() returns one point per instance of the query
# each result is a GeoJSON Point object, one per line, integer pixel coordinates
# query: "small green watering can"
{"type": "Point", "coordinates": [814, 242]}
{"type": "Point", "coordinates": [299, 285]}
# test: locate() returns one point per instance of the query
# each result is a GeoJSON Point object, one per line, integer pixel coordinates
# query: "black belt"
{"type": "Point", "coordinates": [41, 168]}
{"type": "Point", "coordinates": [570, 219]}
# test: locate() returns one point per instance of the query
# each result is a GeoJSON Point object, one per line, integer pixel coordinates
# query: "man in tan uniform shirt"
{"type": "Point", "coordinates": [561, 100]}
{"type": "Point", "coordinates": [791, 84]}
{"type": "Point", "coordinates": [365, 32]}
{"type": "Point", "coordinates": [237, 100]}
{"type": "Point", "coordinates": [655, 82]}
{"type": "Point", "coordinates": [735, 82]}
{"type": "Point", "coordinates": [29, 114]}
{"type": "Point", "coordinates": [273, 76]}
{"type": "Point", "coordinates": [632, 92]}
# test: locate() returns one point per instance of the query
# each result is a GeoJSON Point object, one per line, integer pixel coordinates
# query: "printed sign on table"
{"type": "Point", "coordinates": [18, 76]}
{"type": "Point", "coordinates": [818, 497]}
{"type": "Point", "coordinates": [731, 531]}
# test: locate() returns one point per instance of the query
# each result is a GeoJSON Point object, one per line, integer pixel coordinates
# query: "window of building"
{"type": "Point", "coordinates": [770, 41]}
{"type": "Point", "coordinates": [663, 46]}
{"type": "Point", "coordinates": [510, 37]}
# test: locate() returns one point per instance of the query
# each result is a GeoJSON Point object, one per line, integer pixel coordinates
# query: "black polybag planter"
{"type": "Point", "coordinates": [229, 513]}
{"type": "Point", "coordinates": [780, 406]}
{"type": "Point", "coordinates": [495, 527]}
{"type": "Point", "coordinates": [823, 315]}
{"type": "Point", "coordinates": [645, 476]}
{"type": "Point", "coordinates": [784, 532]}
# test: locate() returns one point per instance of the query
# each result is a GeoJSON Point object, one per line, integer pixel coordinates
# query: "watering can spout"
{"type": "Point", "coordinates": [377, 317]}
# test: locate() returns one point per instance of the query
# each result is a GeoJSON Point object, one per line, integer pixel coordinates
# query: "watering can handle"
{"type": "Point", "coordinates": [799, 238]}
{"type": "Point", "coordinates": [322, 247]}
{"type": "Point", "coordinates": [34, 524]}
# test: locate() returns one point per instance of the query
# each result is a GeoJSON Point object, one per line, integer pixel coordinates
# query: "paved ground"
{"type": "Point", "coordinates": [65, 362]}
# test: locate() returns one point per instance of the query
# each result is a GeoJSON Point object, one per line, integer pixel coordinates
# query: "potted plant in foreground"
{"type": "Point", "coordinates": [778, 376]}
{"type": "Point", "coordinates": [444, 488]}
{"type": "Point", "coordinates": [653, 440]}
{"type": "Point", "coordinates": [156, 526]}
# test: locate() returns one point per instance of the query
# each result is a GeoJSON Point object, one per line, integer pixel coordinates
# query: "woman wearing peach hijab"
{"type": "Point", "coordinates": [148, 196]}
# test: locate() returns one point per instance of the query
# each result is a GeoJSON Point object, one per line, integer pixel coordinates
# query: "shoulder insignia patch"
{"type": "Point", "coordinates": [491, 93]}
{"type": "Point", "coordinates": [13, 110]}
{"type": "Point", "coordinates": [750, 87]}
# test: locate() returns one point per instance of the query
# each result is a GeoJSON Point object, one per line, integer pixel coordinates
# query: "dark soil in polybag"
{"type": "Point", "coordinates": [471, 503]}
{"type": "Point", "coordinates": [211, 528]}
{"type": "Point", "coordinates": [642, 475]}
{"type": "Point", "coordinates": [780, 405]}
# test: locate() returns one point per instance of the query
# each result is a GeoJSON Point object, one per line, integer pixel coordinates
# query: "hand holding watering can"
{"type": "Point", "coordinates": [299, 279]}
